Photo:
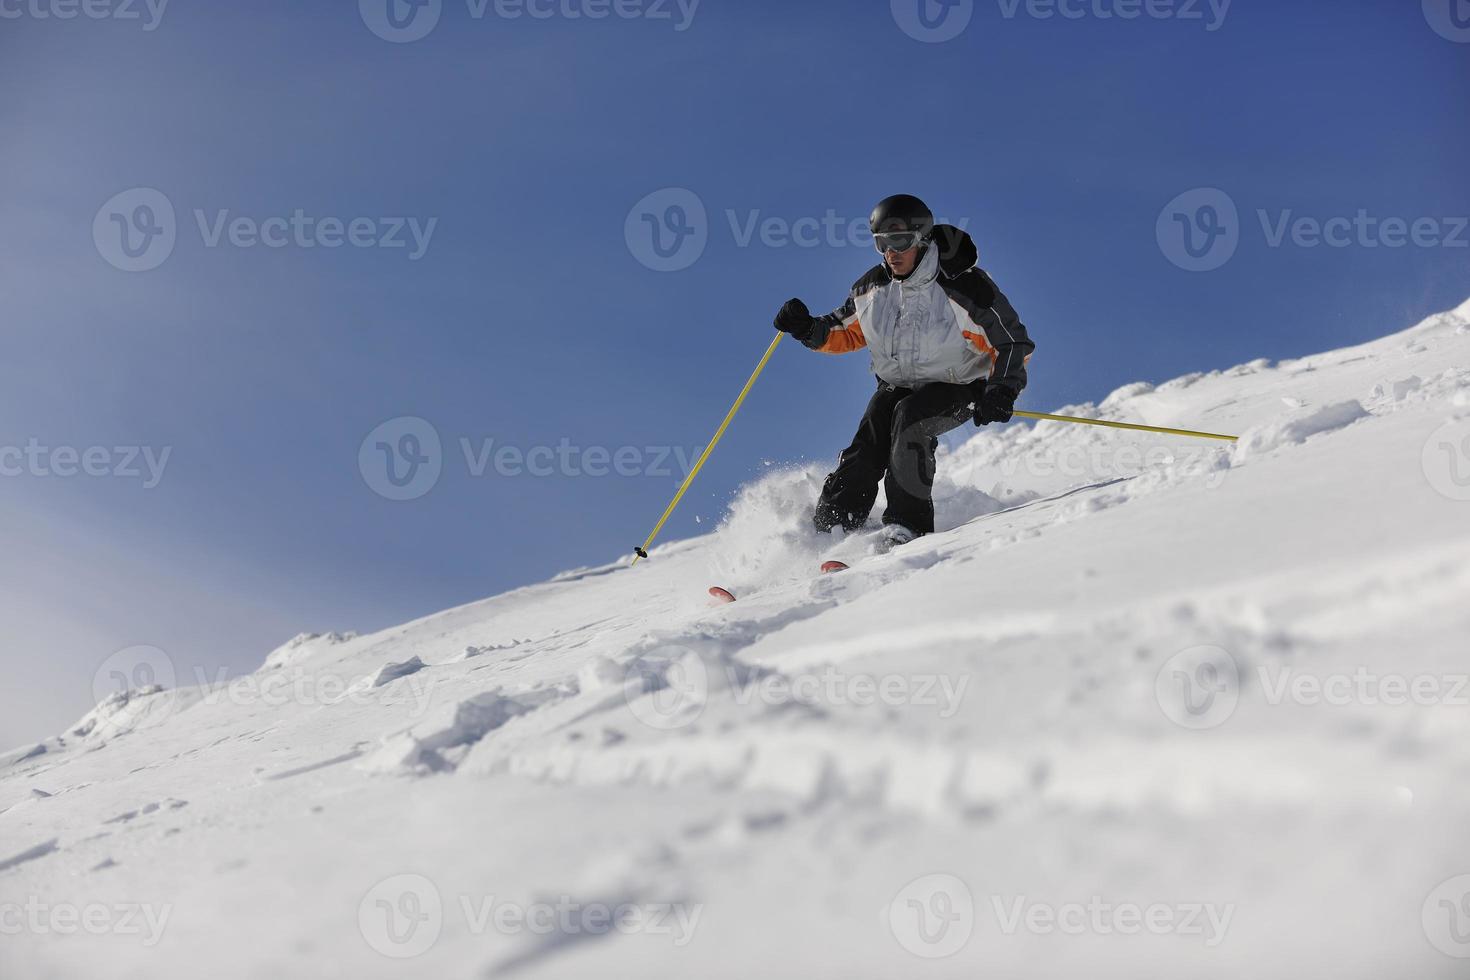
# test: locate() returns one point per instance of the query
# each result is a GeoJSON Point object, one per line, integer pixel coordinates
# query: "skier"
{"type": "Point", "coordinates": [946, 346]}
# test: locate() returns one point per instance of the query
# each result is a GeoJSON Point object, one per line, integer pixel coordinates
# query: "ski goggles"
{"type": "Point", "coordinates": [896, 241]}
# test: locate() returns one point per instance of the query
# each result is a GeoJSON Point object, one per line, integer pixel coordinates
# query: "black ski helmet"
{"type": "Point", "coordinates": [902, 212]}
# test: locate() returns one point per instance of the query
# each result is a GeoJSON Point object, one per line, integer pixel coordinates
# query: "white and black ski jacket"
{"type": "Point", "coordinates": [928, 327]}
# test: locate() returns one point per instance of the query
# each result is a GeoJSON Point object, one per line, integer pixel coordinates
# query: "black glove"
{"type": "Point", "coordinates": [957, 253]}
{"type": "Point", "coordinates": [795, 319]}
{"type": "Point", "coordinates": [996, 403]}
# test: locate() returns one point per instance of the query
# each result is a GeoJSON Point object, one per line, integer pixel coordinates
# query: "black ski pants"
{"type": "Point", "coordinates": [895, 444]}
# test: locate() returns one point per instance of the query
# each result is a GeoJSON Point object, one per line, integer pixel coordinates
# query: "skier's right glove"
{"type": "Point", "coordinates": [795, 319]}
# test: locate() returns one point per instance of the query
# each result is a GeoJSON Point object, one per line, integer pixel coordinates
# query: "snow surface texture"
{"type": "Point", "coordinates": [1147, 707]}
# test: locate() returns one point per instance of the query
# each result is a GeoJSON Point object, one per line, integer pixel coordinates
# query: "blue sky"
{"type": "Point", "coordinates": [526, 311]}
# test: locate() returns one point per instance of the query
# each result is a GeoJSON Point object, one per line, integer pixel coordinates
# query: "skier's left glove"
{"type": "Point", "coordinates": [957, 253]}
{"type": "Point", "coordinates": [996, 403]}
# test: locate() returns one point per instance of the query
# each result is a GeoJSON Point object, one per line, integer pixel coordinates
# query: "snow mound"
{"type": "Point", "coordinates": [123, 711]}
{"type": "Point", "coordinates": [430, 747]}
{"type": "Point", "coordinates": [22, 754]}
{"type": "Point", "coordinates": [390, 672]}
{"type": "Point", "coordinates": [1297, 428]}
{"type": "Point", "coordinates": [302, 646]}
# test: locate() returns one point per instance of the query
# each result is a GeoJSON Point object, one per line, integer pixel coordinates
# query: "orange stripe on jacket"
{"type": "Point", "coordinates": [844, 340]}
{"type": "Point", "coordinates": [980, 341]}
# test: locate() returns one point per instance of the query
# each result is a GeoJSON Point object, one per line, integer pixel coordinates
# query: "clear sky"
{"type": "Point", "coordinates": [526, 301]}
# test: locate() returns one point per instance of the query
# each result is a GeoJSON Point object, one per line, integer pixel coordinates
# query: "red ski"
{"type": "Point", "coordinates": [725, 595]}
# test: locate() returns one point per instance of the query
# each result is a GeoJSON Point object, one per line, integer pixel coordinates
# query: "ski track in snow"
{"type": "Point", "coordinates": [611, 736]}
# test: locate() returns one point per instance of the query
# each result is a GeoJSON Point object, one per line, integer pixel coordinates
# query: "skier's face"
{"type": "Point", "coordinates": [902, 263]}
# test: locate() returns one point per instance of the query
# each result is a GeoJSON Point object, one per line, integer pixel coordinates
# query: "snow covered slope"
{"type": "Point", "coordinates": [1149, 707]}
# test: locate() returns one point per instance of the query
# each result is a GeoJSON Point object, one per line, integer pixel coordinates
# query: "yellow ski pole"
{"type": "Point", "coordinates": [643, 551]}
{"type": "Point", "coordinates": [1128, 425]}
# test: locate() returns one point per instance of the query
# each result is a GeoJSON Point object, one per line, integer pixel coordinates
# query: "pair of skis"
{"type": "Point", "coordinates": [725, 595]}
